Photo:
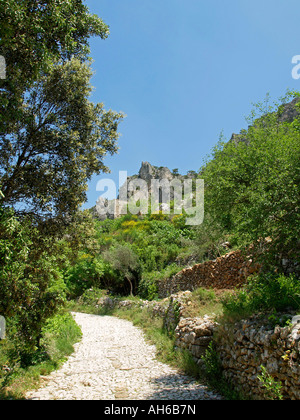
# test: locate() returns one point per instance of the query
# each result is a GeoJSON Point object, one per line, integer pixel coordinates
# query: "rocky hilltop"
{"type": "Point", "coordinates": [285, 113]}
{"type": "Point", "coordinates": [147, 173]}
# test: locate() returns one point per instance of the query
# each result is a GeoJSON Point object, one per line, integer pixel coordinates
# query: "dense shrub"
{"type": "Point", "coordinates": [59, 334]}
{"type": "Point", "coordinates": [87, 272]}
{"type": "Point", "coordinates": [265, 292]}
{"type": "Point", "coordinates": [148, 287]}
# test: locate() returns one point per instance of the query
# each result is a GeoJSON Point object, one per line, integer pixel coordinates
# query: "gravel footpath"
{"type": "Point", "coordinates": [114, 362]}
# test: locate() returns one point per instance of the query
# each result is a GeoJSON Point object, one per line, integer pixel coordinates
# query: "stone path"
{"type": "Point", "coordinates": [114, 362]}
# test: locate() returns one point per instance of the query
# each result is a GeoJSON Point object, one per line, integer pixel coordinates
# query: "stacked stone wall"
{"type": "Point", "coordinates": [227, 272]}
{"type": "Point", "coordinates": [244, 348]}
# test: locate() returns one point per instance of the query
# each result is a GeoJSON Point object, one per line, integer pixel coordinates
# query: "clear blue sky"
{"type": "Point", "coordinates": [185, 70]}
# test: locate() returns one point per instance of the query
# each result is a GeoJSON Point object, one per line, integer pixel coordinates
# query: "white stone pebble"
{"type": "Point", "coordinates": [114, 362]}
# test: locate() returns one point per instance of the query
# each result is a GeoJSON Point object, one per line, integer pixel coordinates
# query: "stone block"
{"type": "Point", "coordinates": [198, 351]}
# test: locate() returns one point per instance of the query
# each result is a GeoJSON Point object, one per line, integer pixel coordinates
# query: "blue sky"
{"type": "Point", "coordinates": [183, 71]}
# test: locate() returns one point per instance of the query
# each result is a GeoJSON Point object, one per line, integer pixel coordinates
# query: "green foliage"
{"type": "Point", "coordinates": [272, 387]}
{"type": "Point", "coordinates": [31, 286]}
{"type": "Point", "coordinates": [61, 143]}
{"type": "Point", "coordinates": [204, 296]}
{"type": "Point", "coordinates": [160, 243]}
{"type": "Point", "coordinates": [212, 362]}
{"type": "Point", "coordinates": [148, 285]}
{"type": "Point", "coordinates": [33, 35]}
{"type": "Point", "coordinates": [123, 259]}
{"type": "Point", "coordinates": [52, 137]}
{"type": "Point", "coordinates": [157, 243]}
{"type": "Point", "coordinates": [52, 140]}
{"type": "Point", "coordinates": [59, 334]}
{"type": "Point", "coordinates": [214, 373]}
{"type": "Point", "coordinates": [208, 241]}
{"type": "Point", "coordinates": [90, 296]}
{"type": "Point", "coordinates": [265, 292]}
{"type": "Point", "coordinates": [252, 184]}
{"type": "Point", "coordinates": [14, 252]}
{"type": "Point", "coordinates": [87, 272]}
{"type": "Point", "coordinates": [203, 302]}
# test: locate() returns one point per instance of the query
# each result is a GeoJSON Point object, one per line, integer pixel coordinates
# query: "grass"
{"type": "Point", "coordinates": [204, 302]}
{"type": "Point", "coordinates": [264, 293]}
{"type": "Point", "coordinates": [16, 378]}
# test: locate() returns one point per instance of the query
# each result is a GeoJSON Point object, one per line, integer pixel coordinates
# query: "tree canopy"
{"type": "Point", "coordinates": [252, 182]}
{"type": "Point", "coordinates": [33, 35]}
{"type": "Point", "coordinates": [59, 143]}
{"type": "Point", "coordinates": [52, 137]}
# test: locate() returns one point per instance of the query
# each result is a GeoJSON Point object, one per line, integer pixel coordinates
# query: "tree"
{"type": "Point", "coordinates": [123, 259]}
{"type": "Point", "coordinates": [31, 285]}
{"type": "Point", "coordinates": [33, 35]}
{"type": "Point", "coordinates": [58, 144]}
{"type": "Point", "coordinates": [52, 140]}
{"type": "Point", "coordinates": [253, 183]}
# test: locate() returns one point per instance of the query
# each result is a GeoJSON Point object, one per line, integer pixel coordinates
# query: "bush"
{"type": "Point", "coordinates": [91, 296]}
{"type": "Point", "coordinates": [88, 272]}
{"type": "Point", "coordinates": [265, 292]}
{"type": "Point", "coordinates": [148, 285]}
{"type": "Point", "coordinates": [31, 285]}
{"type": "Point", "coordinates": [59, 334]}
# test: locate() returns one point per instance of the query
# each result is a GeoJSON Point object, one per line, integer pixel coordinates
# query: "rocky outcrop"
{"type": "Point", "coordinates": [152, 185]}
{"type": "Point", "coordinates": [115, 208]}
{"type": "Point", "coordinates": [286, 113]}
{"type": "Point", "coordinates": [148, 172]}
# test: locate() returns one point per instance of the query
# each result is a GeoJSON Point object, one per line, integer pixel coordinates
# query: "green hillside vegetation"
{"type": "Point", "coordinates": [252, 192]}
{"type": "Point", "coordinates": [52, 141]}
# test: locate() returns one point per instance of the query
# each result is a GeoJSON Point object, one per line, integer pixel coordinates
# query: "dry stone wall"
{"type": "Point", "coordinates": [252, 343]}
{"type": "Point", "coordinates": [195, 335]}
{"type": "Point", "coordinates": [226, 272]}
{"type": "Point", "coordinates": [243, 347]}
